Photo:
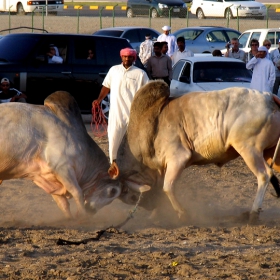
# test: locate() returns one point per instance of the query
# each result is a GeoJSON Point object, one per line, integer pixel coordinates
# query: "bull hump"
{"type": "Point", "coordinates": [149, 100]}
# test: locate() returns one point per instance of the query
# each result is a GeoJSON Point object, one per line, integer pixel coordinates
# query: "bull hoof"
{"type": "Point", "coordinates": [254, 218]}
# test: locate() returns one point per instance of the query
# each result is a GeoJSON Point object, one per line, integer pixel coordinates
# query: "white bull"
{"type": "Point", "coordinates": [166, 136]}
{"type": "Point", "coordinates": [50, 145]}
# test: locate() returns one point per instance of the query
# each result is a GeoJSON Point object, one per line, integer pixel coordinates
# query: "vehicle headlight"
{"type": "Point", "coordinates": [263, 8]}
{"type": "Point", "coordinates": [161, 6]}
{"type": "Point", "coordinates": [184, 5]}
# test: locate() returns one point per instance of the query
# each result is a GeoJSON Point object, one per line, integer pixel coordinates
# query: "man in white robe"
{"type": "Point", "coordinates": [169, 38]}
{"type": "Point", "coordinates": [122, 81]}
{"type": "Point", "coordinates": [264, 73]}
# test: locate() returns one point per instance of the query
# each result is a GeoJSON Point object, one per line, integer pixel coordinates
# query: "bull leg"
{"type": "Point", "coordinates": [69, 181]}
{"type": "Point", "coordinates": [263, 172]}
{"type": "Point", "coordinates": [174, 169]}
{"type": "Point", "coordinates": [63, 204]}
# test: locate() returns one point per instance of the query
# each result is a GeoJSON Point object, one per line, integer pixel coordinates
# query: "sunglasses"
{"type": "Point", "coordinates": [5, 85]}
{"type": "Point", "coordinates": [255, 45]}
{"type": "Point", "coordinates": [267, 45]}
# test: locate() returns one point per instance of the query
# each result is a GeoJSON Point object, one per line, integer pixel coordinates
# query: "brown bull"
{"type": "Point", "coordinates": [166, 136]}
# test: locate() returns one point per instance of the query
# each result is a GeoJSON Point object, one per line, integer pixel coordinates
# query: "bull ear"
{"type": "Point", "coordinates": [137, 187]}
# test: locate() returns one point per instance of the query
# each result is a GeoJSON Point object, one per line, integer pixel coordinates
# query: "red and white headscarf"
{"type": "Point", "coordinates": [128, 52]}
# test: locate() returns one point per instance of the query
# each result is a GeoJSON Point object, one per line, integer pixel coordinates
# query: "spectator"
{"type": "Point", "coordinates": [254, 44]}
{"type": "Point", "coordinates": [277, 78]}
{"type": "Point", "coordinates": [159, 66]}
{"type": "Point", "coordinates": [146, 49]}
{"type": "Point", "coordinates": [90, 54]}
{"type": "Point", "coordinates": [275, 57]}
{"type": "Point", "coordinates": [53, 55]}
{"type": "Point", "coordinates": [267, 44]}
{"type": "Point", "coordinates": [235, 52]}
{"type": "Point", "coordinates": [182, 51]}
{"type": "Point", "coordinates": [122, 81]}
{"type": "Point", "coordinates": [217, 53]}
{"type": "Point", "coordinates": [170, 39]}
{"type": "Point", "coordinates": [8, 94]}
{"type": "Point", "coordinates": [264, 73]}
{"type": "Point", "coordinates": [164, 48]}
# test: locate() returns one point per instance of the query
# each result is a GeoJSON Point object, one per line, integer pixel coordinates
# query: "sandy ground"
{"type": "Point", "coordinates": [88, 25]}
{"type": "Point", "coordinates": [214, 243]}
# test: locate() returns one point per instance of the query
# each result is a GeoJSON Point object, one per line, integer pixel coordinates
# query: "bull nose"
{"type": "Point", "coordinates": [90, 209]}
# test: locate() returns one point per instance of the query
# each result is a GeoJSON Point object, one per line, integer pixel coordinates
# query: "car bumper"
{"type": "Point", "coordinates": [250, 13]}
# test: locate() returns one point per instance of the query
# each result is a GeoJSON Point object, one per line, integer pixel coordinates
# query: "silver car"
{"type": "Point", "coordinates": [134, 35]}
{"type": "Point", "coordinates": [205, 39]}
{"type": "Point", "coordinates": [206, 73]}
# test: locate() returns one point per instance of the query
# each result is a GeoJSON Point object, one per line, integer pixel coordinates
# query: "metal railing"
{"type": "Point", "coordinates": [111, 16]}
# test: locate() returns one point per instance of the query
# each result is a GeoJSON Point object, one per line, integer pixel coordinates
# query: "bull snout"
{"type": "Point", "coordinates": [90, 209]}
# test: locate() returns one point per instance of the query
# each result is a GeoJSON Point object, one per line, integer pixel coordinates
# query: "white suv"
{"type": "Point", "coordinates": [272, 34]}
{"type": "Point", "coordinates": [222, 8]}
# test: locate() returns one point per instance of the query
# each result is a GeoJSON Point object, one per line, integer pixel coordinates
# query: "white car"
{"type": "Point", "coordinates": [206, 73]}
{"type": "Point", "coordinates": [231, 9]}
{"type": "Point", "coordinates": [261, 34]}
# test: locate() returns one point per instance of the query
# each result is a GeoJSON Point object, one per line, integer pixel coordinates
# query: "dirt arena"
{"type": "Point", "coordinates": [214, 243]}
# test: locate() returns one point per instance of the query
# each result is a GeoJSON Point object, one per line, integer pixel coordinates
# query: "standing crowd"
{"type": "Point", "coordinates": [124, 80]}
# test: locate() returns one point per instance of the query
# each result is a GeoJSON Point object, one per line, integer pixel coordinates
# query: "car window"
{"type": "Point", "coordinates": [221, 72]}
{"type": "Point", "coordinates": [232, 34]}
{"type": "Point", "coordinates": [132, 36]}
{"type": "Point", "coordinates": [177, 70]}
{"type": "Point", "coordinates": [245, 38]}
{"type": "Point", "coordinates": [82, 47]}
{"type": "Point", "coordinates": [143, 32]}
{"type": "Point", "coordinates": [189, 34]}
{"type": "Point", "coordinates": [187, 70]}
{"type": "Point", "coordinates": [7, 47]}
{"type": "Point", "coordinates": [216, 36]}
{"type": "Point", "coordinates": [271, 37]}
{"type": "Point", "coordinates": [114, 33]}
{"type": "Point", "coordinates": [43, 48]}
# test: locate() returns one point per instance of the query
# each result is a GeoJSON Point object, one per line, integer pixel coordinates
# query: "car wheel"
{"type": "Point", "coordinates": [200, 14]}
{"type": "Point", "coordinates": [105, 106]}
{"type": "Point", "coordinates": [129, 13]}
{"type": "Point", "coordinates": [154, 13]}
{"type": "Point", "coordinates": [20, 10]}
{"type": "Point", "coordinates": [228, 14]}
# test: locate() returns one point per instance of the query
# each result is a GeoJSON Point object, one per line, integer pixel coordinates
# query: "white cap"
{"type": "Point", "coordinates": [5, 80]}
{"type": "Point", "coordinates": [262, 49]}
{"type": "Point", "coordinates": [166, 28]}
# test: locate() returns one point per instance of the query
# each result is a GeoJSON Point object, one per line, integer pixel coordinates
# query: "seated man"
{"type": "Point", "coordinates": [53, 55]}
{"type": "Point", "coordinates": [8, 94]}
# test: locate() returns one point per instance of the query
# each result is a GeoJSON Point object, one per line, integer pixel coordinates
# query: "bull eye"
{"type": "Point", "coordinates": [113, 192]}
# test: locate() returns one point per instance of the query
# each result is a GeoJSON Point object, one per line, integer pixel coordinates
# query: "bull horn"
{"type": "Point", "coordinates": [114, 171]}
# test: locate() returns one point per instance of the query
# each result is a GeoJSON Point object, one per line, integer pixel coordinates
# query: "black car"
{"type": "Point", "coordinates": [134, 35]}
{"type": "Point", "coordinates": [24, 62]}
{"type": "Point", "coordinates": [156, 8]}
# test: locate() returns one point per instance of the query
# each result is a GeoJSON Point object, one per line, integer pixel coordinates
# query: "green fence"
{"type": "Point", "coordinates": [88, 19]}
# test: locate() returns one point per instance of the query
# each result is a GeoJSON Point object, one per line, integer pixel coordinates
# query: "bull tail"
{"type": "Point", "coordinates": [275, 183]}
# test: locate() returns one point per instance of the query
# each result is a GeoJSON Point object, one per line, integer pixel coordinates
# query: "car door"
{"type": "Point", "coordinates": [88, 75]}
{"type": "Point", "coordinates": [208, 7]}
{"type": "Point", "coordinates": [216, 39]}
{"type": "Point", "coordinates": [181, 78]}
{"type": "Point", "coordinates": [141, 7]}
{"type": "Point", "coordinates": [44, 78]}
